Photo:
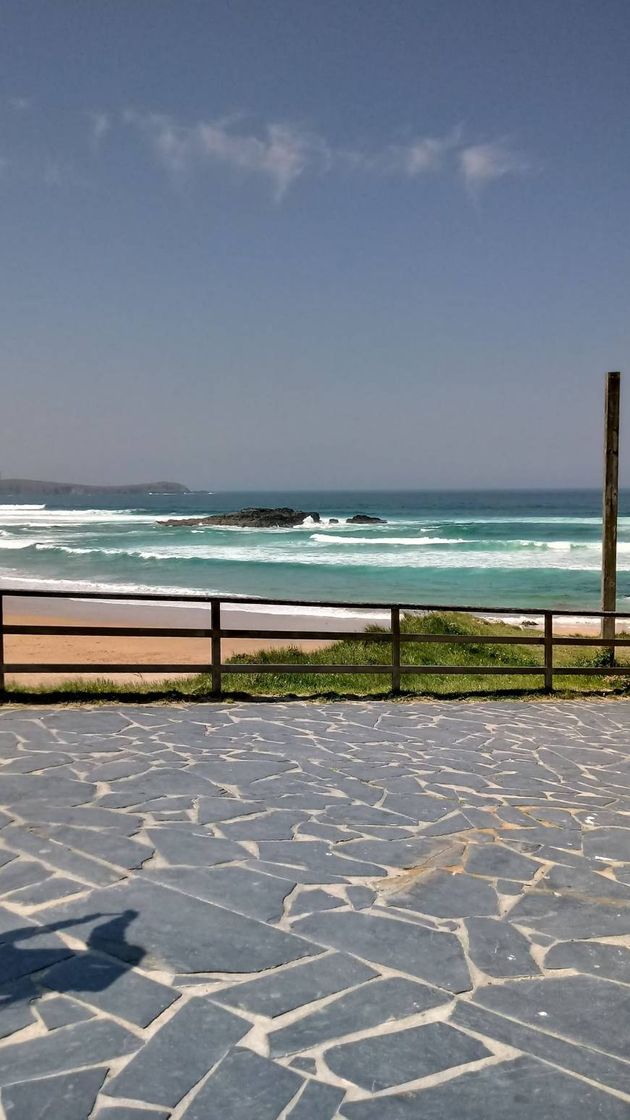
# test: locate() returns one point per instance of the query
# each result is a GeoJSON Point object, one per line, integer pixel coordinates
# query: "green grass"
{"type": "Point", "coordinates": [358, 651]}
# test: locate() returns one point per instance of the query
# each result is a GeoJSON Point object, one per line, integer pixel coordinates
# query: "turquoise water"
{"type": "Point", "coordinates": [480, 548]}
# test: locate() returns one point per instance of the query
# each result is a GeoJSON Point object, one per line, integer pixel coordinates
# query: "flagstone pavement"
{"type": "Point", "coordinates": [299, 911]}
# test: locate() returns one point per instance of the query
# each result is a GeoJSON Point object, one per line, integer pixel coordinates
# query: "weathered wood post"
{"type": "Point", "coordinates": [610, 505]}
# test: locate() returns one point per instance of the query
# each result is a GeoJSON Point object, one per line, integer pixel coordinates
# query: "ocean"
{"type": "Point", "coordinates": [503, 548]}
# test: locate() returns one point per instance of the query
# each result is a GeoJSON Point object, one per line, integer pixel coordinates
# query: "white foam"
{"type": "Point", "coordinates": [327, 538]}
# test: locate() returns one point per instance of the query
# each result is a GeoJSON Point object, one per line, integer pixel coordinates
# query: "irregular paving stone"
{"type": "Point", "coordinates": [56, 887]}
{"type": "Point", "coordinates": [388, 853]}
{"type": "Point", "coordinates": [236, 772]}
{"type": "Point", "coordinates": [318, 1101]}
{"type": "Point", "coordinates": [21, 873]}
{"type": "Point", "coordinates": [608, 844]}
{"type": "Point", "coordinates": [380, 1001]}
{"type": "Point", "coordinates": [196, 849]}
{"type": "Point", "coordinates": [361, 897]}
{"type": "Point", "coordinates": [407, 1055]}
{"type": "Point", "coordinates": [70, 1096]}
{"type": "Point", "coordinates": [558, 915]}
{"type": "Point", "coordinates": [212, 810]}
{"type": "Point", "coordinates": [518, 1090]}
{"type": "Point", "coordinates": [104, 844]}
{"type": "Point", "coordinates": [609, 961]}
{"type": "Point", "coordinates": [90, 816]}
{"type": "Point", "coordinates": [25, 952]}
{"type": "Point", "coordinates": [110, 986]}
{"type": "Point", "coordinates": [236, 888]}
{"type": "Point", "coordinates": [583, 1008]}
{"type": "Point", "coordinates": [124, 1112]}
{"type": "Point", "coordinates": [277, 824]}
{"type": "Point", "coordinates": [432, 956]}
{"type": "Point", "coordinates": [494, 861]}
{"type": "Point", "coordinates": [317, 856]}
{"type": "Point", "coordinates": [592, 1064]}
{"type": "Point", "coordinates": [288, 988]}
{"type": "Point", "coordinates": [60, 856]}
{"type": "Point", "coordinates": [189, 936]}
{"type": "Point", "coordinates": [244, 1086]}
{"type": "Point", "coordinates": [181, 1052]}
{"type": "Point", "coordinates": [310, 901]}
{"type": "Point", "coordinates": [498, 949]}
{"type": "Point", "coordinates": [61, 1012]}
{"type": "Point", "coordinates": [16, 1009]}
{"type": "Point", "coordinates": [447, 896]}
{"type": "Point", "coordinates": [82, 1044]}
{"type": "Point", "coordinates": [49, 787]}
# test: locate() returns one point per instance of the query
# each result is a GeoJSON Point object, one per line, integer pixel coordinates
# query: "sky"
{"type": "Point", "coordinates": [313, 243]}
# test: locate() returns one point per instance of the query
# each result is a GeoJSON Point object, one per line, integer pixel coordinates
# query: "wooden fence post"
{"type": "Point", "coordinates": [395, 628]}
{"type": "Point", "coordinates": [2, 681]}
{"type": "Point", "coordinates": [610, 506]}
{"type": "Point", "coordinates": [215, 644]}
{"type": "Point", "coordinates": [548, 651]}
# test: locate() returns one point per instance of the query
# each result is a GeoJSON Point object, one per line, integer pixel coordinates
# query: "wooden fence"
{"type": "Point", "coordinates": [395, 668]}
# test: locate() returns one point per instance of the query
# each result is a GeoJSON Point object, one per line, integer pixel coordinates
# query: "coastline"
{"type": "Point", "coordinates": [159, 650]}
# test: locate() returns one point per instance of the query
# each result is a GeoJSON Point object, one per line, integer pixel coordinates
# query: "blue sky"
{"type": "Point", "coordinates": [292, 243]}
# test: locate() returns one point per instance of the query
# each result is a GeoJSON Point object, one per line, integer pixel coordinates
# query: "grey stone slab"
{"type": "Point", "coordinates": [21, 873]}
{"type": "Point", "coordinates": [180, 1054]}
{"type": "Point", "coordinates": [310, 901]}
{"type": "Point", "coordinates": [387, 853]}
{"type": "Point", "coordinates": [277, 824]}
{"type": "Point", "coordinates": [235, 888]}
{"type": "Point", "coordinates": [61, 1012]}
{"type": "Point", "coordinates": [561, 916]}
{"type": "Point", "coordinates": [592, 1064]}
{"type": "Point", "coordinates": [126, 1112]}
{"type": "Point", "coordinates": [70, 1096]}
{"type": "Point", "coordinates": [287, 989]}
{"type": "Point", "coordinates": [319, 857]}
{"type": "Point", "coordinates": [60, 856]}
{"type": "Point", "coordinates": [90, 816]}
{"type": "Point", "coordinates": [361, 898]}
{"type": "Point", "coordinates": [418, 807]}
{"type": "Point", "coordinates": [6, 857]}
{"type": "Point", "coordinates": [26, 952]}
{"type": "Point", "coordinates": [378, 1001]}
{"type": "Point", "coordinates": [610, 961]}
{"type": "Point", "coordinates": [496, 862]}
{"type": "Point", "coordinates": [498, 949]}
{"type": "Point", "coordinates": [317, 1101]}
{"type": "Point", "coordinates": [445, 895]}
{"type": "Point", "coordinates": [518, 1090]}
{"type": "Point", "coordinates": [528, 838]}
{"type": "Point", "coordinates": [585, 1009]}
{"type": "Point", "coordinates": [393, 1059]}
{"type": "Point", "coordinates": [52, 889]}
{"type": "Point", "coordinates": [244, 1086]}
{"type": "Point", "coordinates": [104, 844]}
{"type": "Point", "coordinates": [49, 787]}
{"type": "Point", "coordinates": [404, 946]}
{"type": "Point", "coordinates": [179, 936]}
{"type": "Point", "coordinates": [194, 849]}
{"type": "Point", "coordinates": [16, 1009]}
{"type": "Point", "coordinates": [608, 843]}
{"type": "Point", "coordinates": [109, 986]}
{"type": "Point", "coordinates": [239, 773]}
{"type": "Point", "coordinates": [212, 810]}
{"type": "Point", "coordinates": [82, 1044]}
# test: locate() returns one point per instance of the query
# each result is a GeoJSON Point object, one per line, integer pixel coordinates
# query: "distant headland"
{"type": "Point", "coordinates": [17, 487]}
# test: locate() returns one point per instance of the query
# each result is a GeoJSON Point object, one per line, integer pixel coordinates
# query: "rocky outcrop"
{"type": "Point", "coordinates": [365, 519]}
{"type": "Point", "coordinates": [282, 517]}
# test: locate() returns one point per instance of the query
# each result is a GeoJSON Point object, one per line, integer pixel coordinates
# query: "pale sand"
{"type": "Point", "coordinates": [160, 650]}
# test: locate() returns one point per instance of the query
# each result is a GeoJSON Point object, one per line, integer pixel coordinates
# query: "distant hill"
{"type": "Point", "coordinates": [17, 487]}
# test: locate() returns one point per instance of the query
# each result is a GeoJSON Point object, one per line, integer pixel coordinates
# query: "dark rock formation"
{"type": "Point", "coordinates": [365, 519]}
{"type": "Point", "coordinates": [251, 518]}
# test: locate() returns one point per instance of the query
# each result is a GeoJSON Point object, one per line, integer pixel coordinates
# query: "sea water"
{"type": "Point", "coordinates": [503, 548]}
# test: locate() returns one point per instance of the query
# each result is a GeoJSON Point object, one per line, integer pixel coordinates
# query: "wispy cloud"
{"type": "Point", "coordinates": [100, 124]}
{"type": "Point", "coordinates": [279, 153]}
{"type": "Point", "coordinates": [481, 164]}
{"type": "Point", "coordinates": [20, 104]}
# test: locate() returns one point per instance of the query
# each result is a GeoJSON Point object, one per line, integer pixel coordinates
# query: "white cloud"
{"type": "Point", "coordinates": [282, 153]}
{"type": "Point", "coordinates": [481, 164]}
{"type": "Point", "coordinates": [100, 124]}
{"type": "Point", "coordinates": [20, 104]}
{"type": "Point", "coordinates": [279, 153]}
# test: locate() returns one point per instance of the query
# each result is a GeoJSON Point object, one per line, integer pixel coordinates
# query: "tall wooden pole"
{"type": "Point", "coordinates": [611, 503]}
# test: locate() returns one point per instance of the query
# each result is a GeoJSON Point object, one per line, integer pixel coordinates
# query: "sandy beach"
{"type": "Point", "coordinates": [38, 649]}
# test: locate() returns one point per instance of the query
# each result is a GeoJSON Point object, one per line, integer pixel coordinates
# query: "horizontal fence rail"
{"type": "Point", "coordinates": [396, 668]}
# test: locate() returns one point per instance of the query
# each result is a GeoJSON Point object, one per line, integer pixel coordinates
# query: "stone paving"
{"type": "Point", "coordinates": [300, 912]}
